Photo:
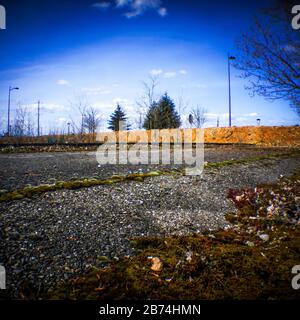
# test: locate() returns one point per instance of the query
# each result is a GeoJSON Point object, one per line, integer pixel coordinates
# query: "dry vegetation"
{"type": "Point", "coordinates": [254, 135]}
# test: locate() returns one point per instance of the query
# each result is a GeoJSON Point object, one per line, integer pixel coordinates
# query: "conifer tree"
{"type": "Point", "coordinates": [116, 117]}
{"type": "Point", "coordinates": [162, 115]}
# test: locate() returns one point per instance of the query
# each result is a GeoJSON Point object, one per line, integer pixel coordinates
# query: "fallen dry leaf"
{"type": "Point", "coordinates": [156, 264]}
{"type": "Point", "coordinates": [99, 289]}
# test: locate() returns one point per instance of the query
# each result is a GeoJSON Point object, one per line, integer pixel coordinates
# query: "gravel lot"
{"type": "Point", "coordinates": [60, 234]}
{"type": "Point", "coordinates": [17, 169]}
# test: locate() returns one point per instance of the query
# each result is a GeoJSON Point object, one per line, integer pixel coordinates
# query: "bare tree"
{"type": "Point", "coordinates": [18, 128]}
{"type": "Point", "coordinates": [147, 99]}
{"type": "Point", "coordinates": [80, 104]}
{"type": "Point", "coordinates": [91, 120]}
{"type": "Point", "coordinates": [141, 113]}
{"type": "Point", "coordinates": [269, 55]}
{"type": "Point", "coordinates": [182, 103]}
{"type": "Point", "coordinates": [149, 96]}
{"type": "Point", "coordinates": [23, 124]}
{"type": "Point", "coordinates": [199, 117]}
{"type": "Point", "coordinates": [140, 119]}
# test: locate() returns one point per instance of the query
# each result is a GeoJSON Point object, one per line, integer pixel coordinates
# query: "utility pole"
{"type": "Point", "coordinates": [8, 113]}
{"type": "Point", "coordinates": [38, 118]}
{"type": "Point", "coordinates": [229, 88]}
{"type": "Point", "coordinates": [8, 109]}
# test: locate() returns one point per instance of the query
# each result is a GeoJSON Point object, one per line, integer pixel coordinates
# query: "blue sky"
{"type": "Point", "coordinates": [101, 51]}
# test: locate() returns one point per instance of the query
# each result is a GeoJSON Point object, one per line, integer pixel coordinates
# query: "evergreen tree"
{"type": "Point", "coordinates": [117, 116]}
{"type": "Point", "coordinates": [152, 117]}
{"type": "Point", "coordinates": [162, 115]}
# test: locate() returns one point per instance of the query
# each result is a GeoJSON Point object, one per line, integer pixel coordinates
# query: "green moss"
{"type": "Point", "coordinates": [87, 183]}
{"type": "Point", "coordinates": [117, 177]}
{"type": "Point", "coordinates": [252, 159]}
{"type": "Point", "coordinates": [110, 181]}
{"type": "Point", "coordinates": [16, 196]}
{"type": "Point", "coordinates": [29, 191]}
{"type": "Point", "coordinates": [73, 185]}
{"type": "Point", "coordinates": [153, 173]}
{"type": "Point", "coordinates": [102, 259]}
{"type": "Point", "coordinates": [59, 184]}
{"type": "Point", "coordinates": [42, 188]}
{"type": "Point", "coordinates": [140, 179]}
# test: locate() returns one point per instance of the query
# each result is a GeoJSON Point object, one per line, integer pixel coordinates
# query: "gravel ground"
{"type": "Point", "coordinates": [17, 169]}
{"type": "Point", "coordinates": [60, 234]}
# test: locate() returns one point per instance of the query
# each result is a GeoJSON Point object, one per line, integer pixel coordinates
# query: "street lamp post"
{"type": "Point", "coordinates": [39, 109]}
{"type": "Point", "coordinates": [229, 87]}
{"type": "Point", "coordinates": [8, 109]}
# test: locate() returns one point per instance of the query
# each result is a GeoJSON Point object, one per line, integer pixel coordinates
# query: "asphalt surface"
{"type": "Point", "coordinates": [20, 169]}
{"type": "Point", "coordinates": [60, 235]}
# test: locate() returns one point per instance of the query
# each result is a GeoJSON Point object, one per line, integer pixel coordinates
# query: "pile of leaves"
{"type": "Point", "coordinates": [250, 259]}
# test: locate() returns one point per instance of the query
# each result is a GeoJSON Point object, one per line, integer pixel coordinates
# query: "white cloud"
{"type": "Point", "coordinates": [201, 86]}
{"type": "Point", "coordinates": [102, 105]}
{"type": "Point", "coordinates": [212, 115]}
{"type": "Point", "coordinates": [162, 12]}
{"type": "Point", "coordinates": [144, 4]}
{"type": "Point", "coordinates": [226, 115]}
{"type": "Point", "coordinates": [101, 5]}
{"type": "Point", "coordinates": [46, 107]}
{"type": "Point", "coordinates": [127, 105]}
{"type": "Point", "coordinates": [62, 82]}
{"type": "Point", "coordinates": [252, 114]}
{"type": "Point", "coordinates": [156, 72]}
{"type": "Point", "coordinates": [131, 14]}
{"type": "Point", "coordinates": [119, 100]}
{"type": "Point", "coordinates": [52, 107]}
{"type": "Point", "coordinates": [170, 74]}
{"type": "Point", "coordinates": [134, 7]}
{"type": "Point", "coordinates": [122, 3]}
{"type": "Point", "coordinates": [96, 91]}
